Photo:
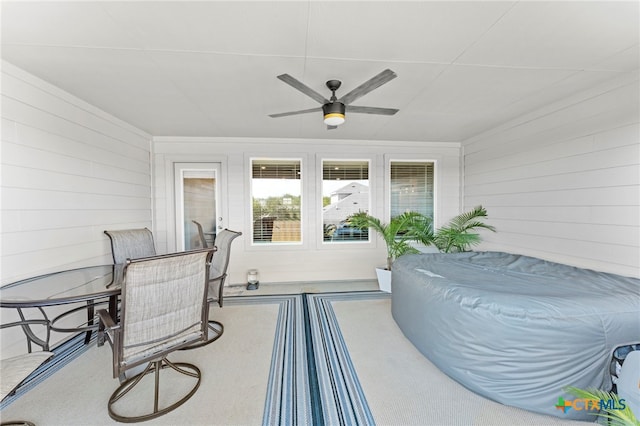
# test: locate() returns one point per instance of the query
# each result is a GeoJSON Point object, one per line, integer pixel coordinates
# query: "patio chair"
{"type": "Point", "coordinates": [125, 244]}
{"type": "Point", "coordinates": [14, 370]}
{"type": "Point", "coordinates": [203, 237]}
{"type": "Point", "coordinates": [218, 274]}
{"type": "Point", "coordinates": [164, 307]}
{"type": "Point", "coordinates": [131, 244]}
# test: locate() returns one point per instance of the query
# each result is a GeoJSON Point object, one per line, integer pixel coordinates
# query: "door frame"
{"type": "Point", "coordinates": [169, 222]}
{"type": "Point", "coordinates": [179, 170]}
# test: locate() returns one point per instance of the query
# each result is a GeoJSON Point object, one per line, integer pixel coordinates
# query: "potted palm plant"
{"type": "Point", "coordinates": [397, 235]}
{"type": "Point", "coordinates": [415, 227]}
{"type": "Point", "coordinates": [456, 235]}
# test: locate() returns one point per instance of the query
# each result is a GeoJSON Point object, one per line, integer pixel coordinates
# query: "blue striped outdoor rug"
{"type": "Point", "coordinates": [312, 380]}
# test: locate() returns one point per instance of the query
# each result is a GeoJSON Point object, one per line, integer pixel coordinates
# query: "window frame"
{"type": "Point", "coordinates": [373, 190]}
{"type": "Point", "coordinates": [251, 244]}
{"type": "Point", "coordinates": [408, 158]}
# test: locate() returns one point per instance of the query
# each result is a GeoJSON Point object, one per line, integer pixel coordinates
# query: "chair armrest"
{"type": "Point", "coordinates": [105, 323]}
{"type": "Point", "coordinates": [27, 324]}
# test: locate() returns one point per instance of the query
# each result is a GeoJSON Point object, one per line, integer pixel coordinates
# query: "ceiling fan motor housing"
{"type": "Point", "coordinates": [333, 108]}
{"type": "Point", "coordinates": [333, 113]}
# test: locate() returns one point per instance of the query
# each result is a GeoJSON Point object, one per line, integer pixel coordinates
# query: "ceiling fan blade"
{"type": "Point", "coordinates": [296, 84]}
{"type": "Point", "coordinates": [371, 110]}
{"type": "Point", "coordinates": [302, 111]}
{"type": "Point", "coordinates": [369, 85]}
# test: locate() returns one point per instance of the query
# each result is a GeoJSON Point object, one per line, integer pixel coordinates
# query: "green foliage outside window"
{"type": "Point", "coordinates": [286, 207]}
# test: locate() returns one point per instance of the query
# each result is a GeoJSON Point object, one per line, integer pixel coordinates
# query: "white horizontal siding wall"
{"type": "Point", "coordinates": [310, 261]}
{"type": "Point", "coordinates": [563, 183]}
{"type": "Point", "coordinates": [69, 171]}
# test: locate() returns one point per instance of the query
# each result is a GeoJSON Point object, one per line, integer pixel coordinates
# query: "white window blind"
{"type": "Point", "coordinates": [276, 199]}
{"type": "Point", "coordinates": [345, 170]}
{"type": "Point", "coordinates": [412, 187]}
{"type": "Point", "coordinates": [275, 169]}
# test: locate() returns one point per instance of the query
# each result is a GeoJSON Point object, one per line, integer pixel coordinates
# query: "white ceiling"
{"type": "Point", "coordinates": [208, 68]}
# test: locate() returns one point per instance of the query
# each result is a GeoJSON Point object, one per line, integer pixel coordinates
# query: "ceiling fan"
{"type": "Point", "coordinates": [334, 109]}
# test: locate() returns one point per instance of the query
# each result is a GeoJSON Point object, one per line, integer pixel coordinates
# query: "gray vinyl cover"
{"type": "Point", "coordinates": [513, 328]}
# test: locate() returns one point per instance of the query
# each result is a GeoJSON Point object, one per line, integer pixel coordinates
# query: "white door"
{"type": "Point", "coordinates": [198, 198]}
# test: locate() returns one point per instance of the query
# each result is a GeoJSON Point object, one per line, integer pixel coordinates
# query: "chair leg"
{"type": "Point", "coordinates": [153, 367]}
{"type": "Point", "coordinates": [90, 317]}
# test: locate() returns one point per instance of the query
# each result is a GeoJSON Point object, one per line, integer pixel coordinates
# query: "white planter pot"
{"type": "Point", "coordinates": [384, 279]}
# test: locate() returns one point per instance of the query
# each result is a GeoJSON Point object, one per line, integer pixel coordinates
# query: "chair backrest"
{"type": "Point", "coordinates": [131, 244]}
{"type": "Point", "coordinates": [164, 305]}
{"type": "Point", "coordinates": [220, 260]}
{"type": "Point", "coordinates": [203, 240]}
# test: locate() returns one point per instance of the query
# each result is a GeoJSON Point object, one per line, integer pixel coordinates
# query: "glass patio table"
{"type": "Point", "coordinates": [93, 285]}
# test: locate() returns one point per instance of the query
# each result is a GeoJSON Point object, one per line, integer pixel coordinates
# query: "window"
{"type": "Point", "coordinates": [411, 187]}
{"type": "Point", "coordinates": [345, 190]}
{"type": "Point", "coordinates": [275, 201]}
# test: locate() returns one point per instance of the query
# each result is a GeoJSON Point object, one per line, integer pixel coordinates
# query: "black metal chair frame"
{"type": "Point", "coordinates": [157, 361]}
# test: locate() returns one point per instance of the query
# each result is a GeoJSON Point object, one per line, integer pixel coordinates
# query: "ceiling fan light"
{"type": "Point", "coordinates": [333, 119]}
